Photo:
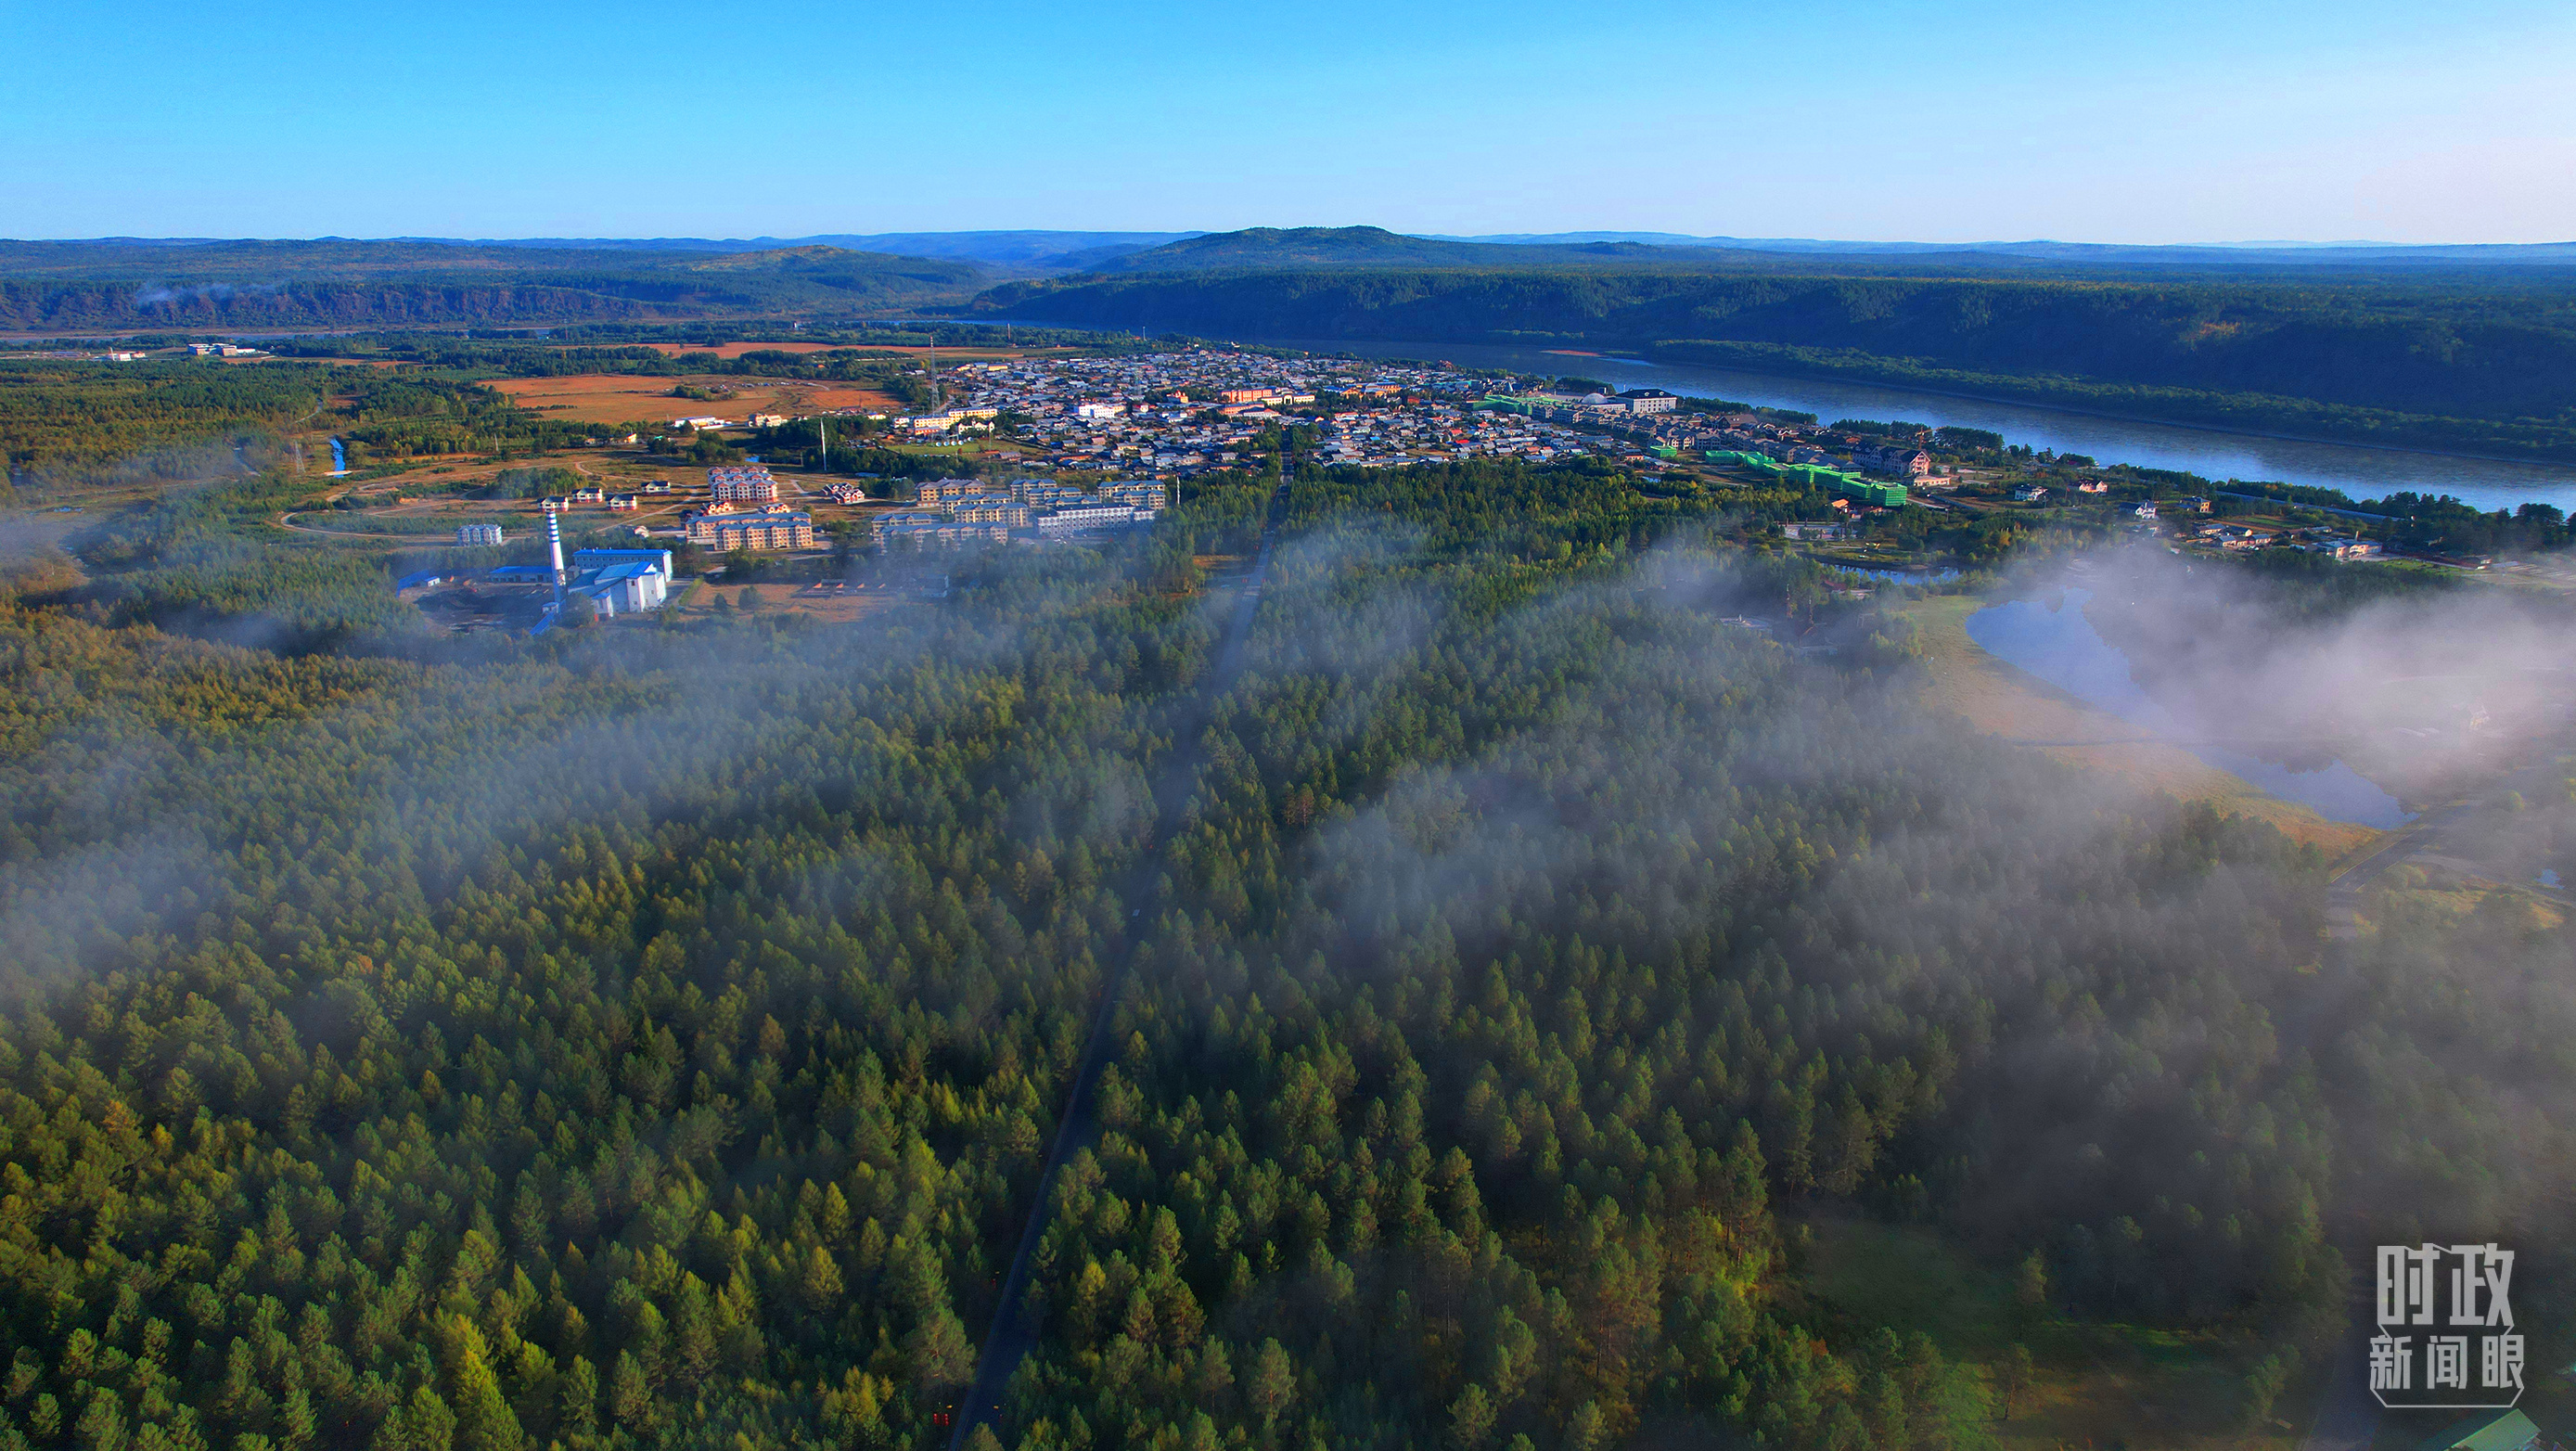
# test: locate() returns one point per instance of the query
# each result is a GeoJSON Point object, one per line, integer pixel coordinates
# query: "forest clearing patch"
{"type": "Point", "coordinates": [2093, 1383]}
{"type": "Point", "coordinates": [628, 398]}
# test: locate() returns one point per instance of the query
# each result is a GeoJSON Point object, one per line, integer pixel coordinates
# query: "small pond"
{"type": "Point", "coordinates": [2057, 644]}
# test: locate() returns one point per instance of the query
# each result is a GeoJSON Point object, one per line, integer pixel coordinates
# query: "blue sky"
{"type": "Point", "coordinates": [2183, 121]}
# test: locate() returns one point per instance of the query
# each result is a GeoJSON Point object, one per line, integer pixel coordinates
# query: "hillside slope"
{"type": "Point", "coordinates": [1307, 248]}
{"type": "Point", "coordinates": [332, 282]}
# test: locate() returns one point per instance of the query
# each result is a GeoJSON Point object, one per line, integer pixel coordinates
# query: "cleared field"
{"type": "Point", "coordinates": [826, 606]}
{"type": "Point", "coordinates": [2093, 1383]}
{"type": "Point", "coordinates": [966, 355]}
{"type": "Point", "coordinates": [736, 350]}
{"type": "Point", "coordinates": [417, 507]}
{"type": "Point", "coordinates": [2003, 701]}
{"type": "Point", "coordinates": [609, 398]}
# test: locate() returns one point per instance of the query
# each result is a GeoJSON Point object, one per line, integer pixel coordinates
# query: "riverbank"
{"type": "Point", "coordinates": [2419, 433]}
{"type": "Point", "coordinates": [2010, 704]}
{"type": "Point", "coordinates": [2359, 469]}
{"type": "Point", "coordinates": [2041, 396]}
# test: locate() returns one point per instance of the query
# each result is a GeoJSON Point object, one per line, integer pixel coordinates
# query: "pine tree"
{"type": "Point", "coordinates": [1471, 1419]}
{"type": "Point", "coordinates": [581, 1397]}
{"type": "Point", "coordinates": [1272, 1383]}
{"type": "Point", "coordinates": [484, 1420]}
{"type": "Point", "coordinates": [630, 1396]}
{"type": "Point", "coordinates": [940, 1353]}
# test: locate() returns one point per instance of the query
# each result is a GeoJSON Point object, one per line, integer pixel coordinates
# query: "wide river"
{"type": "Point", "coordinates": [2359, 470]}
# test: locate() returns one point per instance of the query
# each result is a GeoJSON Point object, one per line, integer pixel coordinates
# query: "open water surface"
{"type": "Point", "coordinates": [2057, 644]}
{"type": "Point", "coordinates": [2360, 470]}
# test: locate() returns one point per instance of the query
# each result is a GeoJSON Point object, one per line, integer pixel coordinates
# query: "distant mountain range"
{"type": "Point", "coordinates": [1038, 252]}
{"type": "Point", "coordinates": [124, 283]}
{"type": "Point", "coordinates": [1299, 248]}
{"type": "Point", "coordinates": [2188, 252]}
{"type": "Point", "coordinates": [1023, 251]}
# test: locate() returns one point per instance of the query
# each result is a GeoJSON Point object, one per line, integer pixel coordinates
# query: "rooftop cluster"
{"type": "Point", "coordinates": [1183, 413]}
{"type": "Point", "coordinates": [960, 511]}
{"type": "Point", "coordinates": [1186, 412]}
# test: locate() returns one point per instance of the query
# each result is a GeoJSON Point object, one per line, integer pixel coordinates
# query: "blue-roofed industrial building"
{"type": "Point", "coordinates": [598, 558]}
{"type": "Point", "coordinates": [620, 589]}
{"type": "Point", "coordinates": [610, 582]}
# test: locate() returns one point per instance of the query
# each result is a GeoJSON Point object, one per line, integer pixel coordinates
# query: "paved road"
{"type": "Point", "coordinates": [1014, 1333]}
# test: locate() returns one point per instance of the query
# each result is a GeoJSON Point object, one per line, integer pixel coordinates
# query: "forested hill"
{"type": "Point", "coordinates": [2486, 362]}
{"type": "Point", "coordinates": [1305, 248]}
{"type": "Point", "coordinates": [1318, 247]}
{"type": "Point", "coordinates": [333, 282]}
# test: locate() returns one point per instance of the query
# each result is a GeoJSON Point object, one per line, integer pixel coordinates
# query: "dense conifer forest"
{"type": "Point", "coordinates": [340, 283]}
{"type": "Point", "coordinates": [654, 1036]}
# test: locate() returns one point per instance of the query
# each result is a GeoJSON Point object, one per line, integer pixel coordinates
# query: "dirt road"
{"type": "Point", "coordinates": [1014, 1333]}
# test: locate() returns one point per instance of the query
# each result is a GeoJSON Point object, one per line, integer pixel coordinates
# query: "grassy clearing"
{"type": "Point", "coordinates": [626, 398]}
{"type": "Point", "coordinates": [2103, 1385]}
{"type": "Point", "coordinates": [2006, 702]}
{"type": "Point", "coordinates": [824, 606]}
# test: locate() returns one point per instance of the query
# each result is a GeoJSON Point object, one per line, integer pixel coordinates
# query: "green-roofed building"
{"type": "Point", "coordinates": [1868, 491]}
{"type": "Point", "coordinates": [1757, 462]}
{"type": "Point", "coordinates": [2486, 1431]}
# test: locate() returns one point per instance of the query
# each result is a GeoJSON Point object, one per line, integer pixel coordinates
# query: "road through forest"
{"type": "Point", "coordinates": [1014, 1333]}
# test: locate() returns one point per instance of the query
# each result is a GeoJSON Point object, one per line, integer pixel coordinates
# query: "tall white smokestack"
{"type": "Point", "coordinates": [554, 546]}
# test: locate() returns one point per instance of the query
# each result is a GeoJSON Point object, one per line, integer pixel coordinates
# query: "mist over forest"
{"type": "Point", "coordinates": [1520, 984]}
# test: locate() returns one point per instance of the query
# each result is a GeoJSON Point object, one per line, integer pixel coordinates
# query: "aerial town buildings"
{"type": "Point", "coordinates": [1185, 412]}
{"type": "Point", "coordinates": [742, 486]}
{"type": "Point", "coordinates": [769, 530]}
{"type": "Point", "coordinates": [948, 418]}
{"type": "Point", "coordinates": [960, 511]}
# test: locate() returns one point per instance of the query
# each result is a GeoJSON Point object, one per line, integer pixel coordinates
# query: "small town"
{"type": "Point", "coordinates": [1050, 451]}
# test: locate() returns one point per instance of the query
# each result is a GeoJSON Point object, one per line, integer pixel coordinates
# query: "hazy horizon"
{"type": "Point", "coordinates": [1659, 237]}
